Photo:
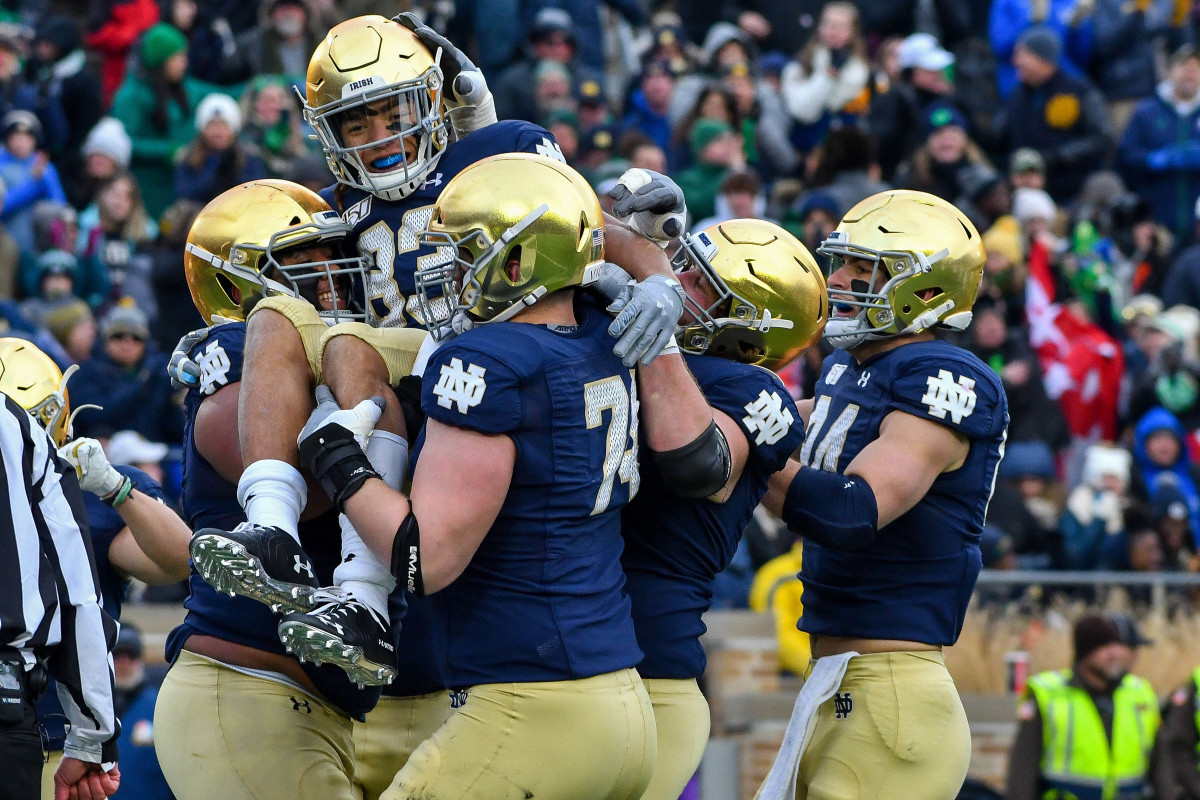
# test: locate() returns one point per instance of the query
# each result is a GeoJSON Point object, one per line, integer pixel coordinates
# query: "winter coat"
{"type": "Point", "coordinates": [138, 398]}
{"type": "Point", "coordinates": [219, 171]}
{"type": "Point", "coordinates": [1124, 46]}
{"type": "Point", "coordinates": [113, 37]}
{"type": "Point", "coordinates": [1065, 120]}
{"type": "Point", "coordinates": [645, 119]}
{"type": "Point", "coordinates": [1148, 477]}
{"type": "Point", "coordinates": [1159, 157]}
{"type": "Point", "coordinates": [23, 191]}
{"type": "Point", "coordinates": [154, 149]}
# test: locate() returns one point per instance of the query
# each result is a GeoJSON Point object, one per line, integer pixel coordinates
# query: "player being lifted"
{"type": "Point", "coordinates": [233, 699]}
{"type": "Point", "coordinates": [384, 110]}
{"type": "Point", "coordinates": [902, 442]}
{"type": "Point", "coordinates": [520, 552]}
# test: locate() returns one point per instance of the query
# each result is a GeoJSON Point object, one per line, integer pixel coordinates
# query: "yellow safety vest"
{"type": "Point", "coordinates": [1196, 682]}
{"type": "Point", "coordinates": [1077, 760]}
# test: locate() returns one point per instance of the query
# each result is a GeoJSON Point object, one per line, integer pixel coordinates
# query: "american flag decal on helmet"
{"type": "Point", "coordinates": [597, 243]}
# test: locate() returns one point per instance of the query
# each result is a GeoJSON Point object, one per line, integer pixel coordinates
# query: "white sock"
{"type": "Point", "coordinates": [273, 494]}
{"type": "Point", "coordinates": [361, 573]}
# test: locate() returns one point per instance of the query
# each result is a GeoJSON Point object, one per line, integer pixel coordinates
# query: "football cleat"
{"type": "Point", "coordinates": [264, 564]}
{"type": "Point", "coordinates": [344, 632]}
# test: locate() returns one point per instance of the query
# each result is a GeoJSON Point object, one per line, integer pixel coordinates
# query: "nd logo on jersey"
{"type": "Point", "coordinates": [945, 396]}
{"type": "Point", "coordinates": [767, 418]}
{"type": "Point", "coordinates": [464, 387]}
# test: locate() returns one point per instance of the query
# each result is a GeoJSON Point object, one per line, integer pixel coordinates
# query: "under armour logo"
{"type": "Point", "coordinates": [298, 704]}
{"type": "Point", "coordinates": [458, 386]}
{"type": "Point", "coordinates": [458, 698]}
{"type": "Point", "coordinates": [436, 180]}
{"type": "Point", "coordinates": [842, 705]}
{"type": "Point", "coordinates": [303, 566]}
{"type": "Point", "coordinates": [862, 379]}
{"type": "Point", "coordinates": [945, 396]}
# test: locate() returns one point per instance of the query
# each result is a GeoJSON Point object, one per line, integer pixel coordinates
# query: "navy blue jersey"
{"type": "Point", "coordinates": [674, 546]}
{"type": "Point", "coordinates": [914, 581]}
{"type": "Point", "coordinates": [388, 231]}
{"type": "Point", "coordinates": [541, 599]}
{"type": "Point", "coordinates": [104, 523]}
{"type": "Point", "coordinates": [211, 501]}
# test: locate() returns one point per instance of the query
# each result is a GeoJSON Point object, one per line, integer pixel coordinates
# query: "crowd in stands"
{"type": "Point", "coordinates": [1067, 130]}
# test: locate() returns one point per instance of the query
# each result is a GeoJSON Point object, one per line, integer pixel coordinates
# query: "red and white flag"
{"type": "Point", "coordinates": [1082, 365]}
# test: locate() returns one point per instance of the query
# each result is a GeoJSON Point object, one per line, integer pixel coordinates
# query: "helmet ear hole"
{"type": "Point", "coordinates": [231, 291]}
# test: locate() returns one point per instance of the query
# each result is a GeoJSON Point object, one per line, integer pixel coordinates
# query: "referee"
{"type": "Point", "coordinates": [50, 612]}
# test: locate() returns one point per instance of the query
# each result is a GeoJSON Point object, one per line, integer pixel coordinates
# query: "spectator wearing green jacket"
{"type": "Point", "coordinates": [717, 150]}
{"type": "Point", "coordinates": [157, 103]}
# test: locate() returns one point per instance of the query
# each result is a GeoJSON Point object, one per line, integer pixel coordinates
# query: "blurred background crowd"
{"type": "Point", "coordinates": [1068, 130]}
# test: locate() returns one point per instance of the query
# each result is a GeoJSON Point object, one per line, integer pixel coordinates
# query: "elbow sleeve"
{"type": "Point", "coordinates": [698, 469]}
{"type": "Point", "coordinates": [835, 511]}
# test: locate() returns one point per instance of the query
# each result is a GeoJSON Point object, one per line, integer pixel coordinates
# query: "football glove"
{"type": "Point", "coordinates": [359, 420]}
{"type": "Point", "coordinates": [95, 474]}
{"type": "Point", "coordinates": [185, 373]}
{"type": "Point", "coordinates": [647, 315]}
{"type": "Point", "coordinates": [650, 203]}
{"type": "Point", "coordinates": [469, 103]}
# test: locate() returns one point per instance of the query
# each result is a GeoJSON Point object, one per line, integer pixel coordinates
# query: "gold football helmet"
{"type": "Point", "coordinates": [369, 68]}
{"type": "Point", "coordinates": [771, 301]}
{"type": "Point", "coordinates": [34, 382]}
{"type": "Point", "coordinates": [520, 207]}
{"type": "Point", "coordinates": [238, 244]}
{"type": "Point", "coordinates": [932, 262]}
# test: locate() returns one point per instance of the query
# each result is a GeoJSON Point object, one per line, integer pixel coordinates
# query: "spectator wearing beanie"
{"type": "Point", "coordinates": [216, 160]}
{"type": "Point", "coordinates": [1060, 116]}
{"type": "Point", "coordinates": [937, 166]}
{"type": "Point", "coordinates": [1159, 152]}
{"type": "Point", "coordinates": [1096, 508]}
{"type": "Point", "coordinates": [1023, 504]}
{"type": "Point", "coordinates": [1068, 20]}
{"type": "Point", "coordinates": [28, 174]}
{"type": "Point", "coordinates": [127, 377]}
{"type": "Point", "coordinates": [552, 37]}
{"type": "Point", "coordinates": [1160, 456]}
{"type": "Point", "coordinates": [717, 151]}
{"type": "Point", "coordinates": [58, 273]}
{"type": "Point", "coordinates": [106, 150]}
{"type": "Point", "coordinates": [271, 123]}
{"type": "Point", "coordinates": [156, 104]}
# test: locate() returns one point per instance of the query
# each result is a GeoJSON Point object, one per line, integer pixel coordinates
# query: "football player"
{"type": "Point", "coordinates": [134, 534]}
{"type": "Point", "coordinates": [233, 699]}
{"type": "Point", "coordinates": [376, 97]}
{"type": "Point", "coordinates": [523, 548]}
{"type": "Point", "coordinates": [717, 423]}
{"type": "Point", "coordinates": [903, 438]}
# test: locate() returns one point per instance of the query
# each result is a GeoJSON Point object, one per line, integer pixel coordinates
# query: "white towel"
{"type": "Point", "coordinates": [822, 684]}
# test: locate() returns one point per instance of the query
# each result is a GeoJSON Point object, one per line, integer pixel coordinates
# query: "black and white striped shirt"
{"type": "Point", "coordinates": [49, 593]}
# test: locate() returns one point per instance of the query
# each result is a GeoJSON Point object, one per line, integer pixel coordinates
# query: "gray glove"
{"type": "Point", "coordinates": [359, 420]}
{"type": "Point", "coordinates": [185, 373]}
{"type": "Point", "coordinates": [611, 281]}
{"type": "Point", "coordinates": [649, 312]}
{"type": "Point", "coordinates": [469, 103]}
{"type": "Point", "coordinates": [650, 203]}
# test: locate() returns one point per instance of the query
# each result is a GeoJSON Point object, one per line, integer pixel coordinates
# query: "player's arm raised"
{"type": "Point", "coordinates": [699, 450]}
{"type": "Point", "coordinates": [886, 479]}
